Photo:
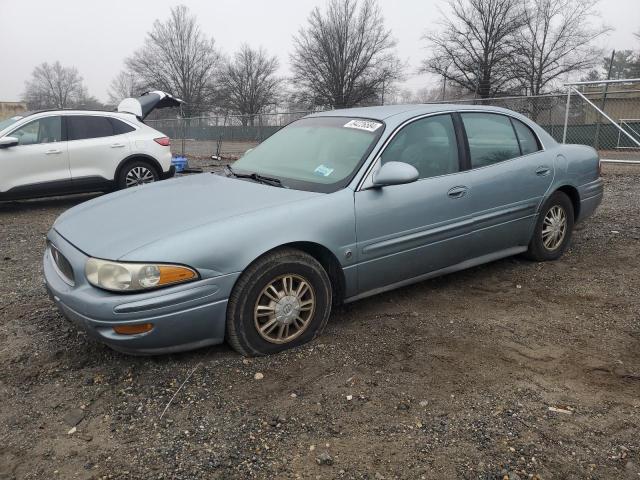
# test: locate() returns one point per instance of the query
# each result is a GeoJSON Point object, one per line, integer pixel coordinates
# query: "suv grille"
{"type": "Point", "coordinates": [62, 265]}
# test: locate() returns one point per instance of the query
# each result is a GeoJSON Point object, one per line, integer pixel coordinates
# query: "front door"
{"type": "Point", "coordinates": [404, 231]}
{"type": "Point", "coordinates": [40, 163]}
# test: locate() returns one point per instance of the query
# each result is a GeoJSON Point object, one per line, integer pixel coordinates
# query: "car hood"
{"type": "Point", "coordinates": [113, 225]}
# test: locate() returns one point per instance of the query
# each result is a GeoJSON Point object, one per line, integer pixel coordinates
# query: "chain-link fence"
{"type": "Point", "coordinates": [224, 136]}
{"type": "Point", "coordinates": [575, 117]}
{"type": "Point", "coordinates": [605, 116]}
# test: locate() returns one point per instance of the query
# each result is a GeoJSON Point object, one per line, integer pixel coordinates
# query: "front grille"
{"type": "Point", "coordinates": [62, 265]}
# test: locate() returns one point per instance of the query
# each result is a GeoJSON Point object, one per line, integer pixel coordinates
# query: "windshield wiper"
{"type": "Point", "coordinates": [276, 182]}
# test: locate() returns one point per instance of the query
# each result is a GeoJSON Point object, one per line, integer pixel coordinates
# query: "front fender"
{"type": "Point", "coordinates": [230, 245]}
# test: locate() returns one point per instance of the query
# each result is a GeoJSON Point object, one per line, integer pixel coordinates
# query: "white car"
{"type": "Point", "coordinates": [73, 151]}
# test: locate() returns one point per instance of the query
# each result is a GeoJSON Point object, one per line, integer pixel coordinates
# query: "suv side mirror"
{"type": "Point", "coordinates": [6, 142]}
{"type": "Point", "coordinates": [395, 173]}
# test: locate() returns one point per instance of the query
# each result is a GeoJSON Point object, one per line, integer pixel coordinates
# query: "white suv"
{"type": "Point", "coordinates": [72, 151]}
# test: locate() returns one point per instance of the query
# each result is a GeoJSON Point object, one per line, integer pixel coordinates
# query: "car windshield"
{"type": "Point", "coordinates": [9, 121]}
{"type": "Point", "coordinates": [319, 154]}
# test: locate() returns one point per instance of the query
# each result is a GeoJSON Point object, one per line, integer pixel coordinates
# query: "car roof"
{"type": "Point", "coordinates": [403, 112]}
{"type": "Point", "coordinates": [395, 115]}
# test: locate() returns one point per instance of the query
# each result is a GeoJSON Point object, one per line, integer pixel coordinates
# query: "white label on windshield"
{"type": "Point", "coordinates": [367, 125]}
{"type": "Point", "coordinates": [323, 170]}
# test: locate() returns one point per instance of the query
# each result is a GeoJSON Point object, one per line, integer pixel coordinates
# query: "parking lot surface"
{"type": "Point", "coordinates": [513, 368]}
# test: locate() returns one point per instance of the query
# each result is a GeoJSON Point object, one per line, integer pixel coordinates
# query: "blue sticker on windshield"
{"type": "Point", "coordinates": [323, 170]}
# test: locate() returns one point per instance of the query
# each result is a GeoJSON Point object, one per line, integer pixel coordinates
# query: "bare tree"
{"type": "Point", "coordinates": [124, 85]}
{"type": "Point", "coordinates": [53, 86]}
{"type": "Point", "coordinates": [248, 82]}
{"type": "Point", "coordinates": [178, 58]}
{"type": "Point", "coordinates": [474, 48]}
{"type": "Point", "coordinates": [557, 38]}
{"type": "Point", "coordinates": [344, 56]}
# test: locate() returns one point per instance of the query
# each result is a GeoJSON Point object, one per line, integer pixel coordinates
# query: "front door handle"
{"type": "Point", "coordinates": [543, 171]}
{"type": "Point", "coordinates": [458, 192]}
{"type": "Point", "coordinates": [53, 151]}
{"type": "Point", "coordinates": [117, 145]}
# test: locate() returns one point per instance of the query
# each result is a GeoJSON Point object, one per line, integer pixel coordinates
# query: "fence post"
{"type": "Point", "coordinates": [566, 115]}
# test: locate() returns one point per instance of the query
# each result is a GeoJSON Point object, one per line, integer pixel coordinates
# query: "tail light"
{"type": "Point", "coordinates": [164, 141]}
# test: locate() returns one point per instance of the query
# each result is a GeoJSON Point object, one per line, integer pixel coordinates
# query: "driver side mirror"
{"type": "Point", "coordinates": [395, 173]}
{"type": "Point", "coordinates": [6, 142]}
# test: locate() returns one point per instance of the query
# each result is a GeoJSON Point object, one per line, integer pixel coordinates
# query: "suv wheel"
{"type": "Point", "coordinates": [281, 301]}
{"type": "Point", "coordinates": [137, 173]}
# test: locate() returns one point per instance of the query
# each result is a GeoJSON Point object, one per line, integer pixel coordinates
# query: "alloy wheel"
{"type": "Point", "coordinates": [138, 176]}
{"type": "Point", "coordinates": [284, 308]}
{"type": "Point", "coordinates": [554, 228]}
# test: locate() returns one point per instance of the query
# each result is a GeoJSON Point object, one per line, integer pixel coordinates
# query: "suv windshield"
{"type": "Point", "coordinates": [9, 121]}
{"type": "Point", "coordinates": [320, 154]}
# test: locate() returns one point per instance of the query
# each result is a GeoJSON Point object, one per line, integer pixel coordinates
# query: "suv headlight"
{"type": "Point", "coordinates": [131, 277]}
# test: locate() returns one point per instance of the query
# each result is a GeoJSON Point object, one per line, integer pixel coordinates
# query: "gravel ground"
{"type": "Point", "coordinates": [509, 370]}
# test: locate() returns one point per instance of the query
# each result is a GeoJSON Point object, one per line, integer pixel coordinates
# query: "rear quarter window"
{"type": "Point", "coordinates": [120, 127]}
{"type": "Point", "coordinates": [528, 140]}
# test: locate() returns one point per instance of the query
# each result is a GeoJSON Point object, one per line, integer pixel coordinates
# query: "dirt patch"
{"type": "Point", "coordinates": [449, 378]}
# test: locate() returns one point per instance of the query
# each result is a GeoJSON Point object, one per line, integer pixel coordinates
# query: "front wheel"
{"type": "Point", "coordinates": [553, 229]}
{"type": "Point", "coordinates": [282, 300]}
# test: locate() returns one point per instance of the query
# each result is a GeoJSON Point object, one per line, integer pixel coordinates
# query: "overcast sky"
{"type": "Point", "coordinates": [96, 35]}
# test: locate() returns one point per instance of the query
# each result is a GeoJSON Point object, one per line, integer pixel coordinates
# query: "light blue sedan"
{"type": "Point", "coordinates": [335, 207]}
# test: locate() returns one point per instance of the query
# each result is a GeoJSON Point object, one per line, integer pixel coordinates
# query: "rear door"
{"type": "Point", "coordinates": [509, 176]}
{"type": "Point", "coordinates": [40, 163]}
{"type": "Point", "coordinates": [97, 144]}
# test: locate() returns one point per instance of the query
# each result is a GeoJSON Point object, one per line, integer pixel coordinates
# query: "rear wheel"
{"type": "Point", "coordinates": [281, 301]}
{"type": "Point", "coordinates": [553, 230]}
{"type": "Point", "coordinates": [137, 173]}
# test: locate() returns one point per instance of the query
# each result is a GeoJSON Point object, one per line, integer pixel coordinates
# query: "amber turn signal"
{"type": "Point", "coordinates": [133, 329]}
{"type": "Point", "coordinates": [172, 274]}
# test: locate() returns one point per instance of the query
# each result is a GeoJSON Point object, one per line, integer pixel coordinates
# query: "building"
{"type": "Point", "coordinates": [9, 109]}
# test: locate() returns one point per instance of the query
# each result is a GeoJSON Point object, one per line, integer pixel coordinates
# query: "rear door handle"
{"type": "Point", "coordinates": [53, 151]}
{"type": "Point", "coordinates": [543, 171]}
{"type": "Point", "coordinates": [458, 192]}
{"type": "Point", "coordinates": [117, 145]}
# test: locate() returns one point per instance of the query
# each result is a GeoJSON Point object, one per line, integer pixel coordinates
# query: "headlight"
{"type": "Point", "coordinates": [131, 277]}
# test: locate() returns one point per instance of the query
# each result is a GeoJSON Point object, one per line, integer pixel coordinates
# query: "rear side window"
{"type": "Point", "coordinates": [528, 141]}
{"type": "Point", "coordinates": [80, 127]}
{"type": "Point", "coordinates": [120, 127]}
{"type": "Point", "coordinates": [491, 137]}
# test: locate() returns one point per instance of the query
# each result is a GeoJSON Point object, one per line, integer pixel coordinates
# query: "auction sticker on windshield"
{"type": "Point", "coordinates": [368, 125]}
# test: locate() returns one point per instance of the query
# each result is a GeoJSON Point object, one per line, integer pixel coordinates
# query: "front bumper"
{"type": "Point", "coordinates": [184, 317]}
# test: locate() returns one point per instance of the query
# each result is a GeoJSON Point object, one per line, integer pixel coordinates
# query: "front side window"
{"type": "Point", "coordinates": [81, 127]}
{"type": "Point", "coordinates": [428, 144]}
{"type": "Point", "coordinates": [43, 130]}
{"type": "Point", "coordinates": [319, 154]}
{"type": "Point", "coordinates": [491, 137]}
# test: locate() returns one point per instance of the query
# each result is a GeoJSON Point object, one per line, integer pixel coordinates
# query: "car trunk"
{"type": "Point", "coordinates": [143, 105]}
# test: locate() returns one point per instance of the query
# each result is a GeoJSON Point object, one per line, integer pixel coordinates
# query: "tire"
{"type": "Point", "coordinates": [143, 170]}
{"type": "Point", "coordinates": [560, 204]}
{"type": "Point", "coordinates": [252, 303]}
